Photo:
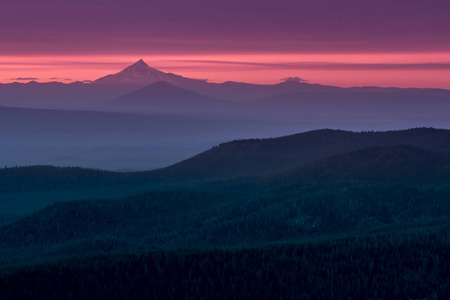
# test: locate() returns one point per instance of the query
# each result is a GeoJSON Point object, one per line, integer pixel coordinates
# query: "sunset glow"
{"type": "Point", "coordinates": [343, 69]}
{"type": "Point", "coordinates": [344, 43]}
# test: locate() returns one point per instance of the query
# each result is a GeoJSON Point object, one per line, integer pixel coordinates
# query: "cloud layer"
{"type": "Point", "coordinates": [24, 78]}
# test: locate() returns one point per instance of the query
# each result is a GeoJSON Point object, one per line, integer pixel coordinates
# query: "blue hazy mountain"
{"type": "Point", "coordinates": [118, 141]}
{"type": "Point", "coordinates": [285, 100]}
{"type": "Point", "coordinates": [165, 97]}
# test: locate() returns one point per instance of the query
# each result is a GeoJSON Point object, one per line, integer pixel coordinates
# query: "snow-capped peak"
{"type": "Point", "coordinates": [138, 73]}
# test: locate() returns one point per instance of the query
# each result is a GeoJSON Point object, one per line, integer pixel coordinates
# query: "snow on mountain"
{"type": "Point", "coordinates": [140, 74]}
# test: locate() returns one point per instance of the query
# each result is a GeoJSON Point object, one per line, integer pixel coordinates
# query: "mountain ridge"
{"type": "Point", "coordinates": [392, 163]}
{"type": "Point", "coordinates": [248, 157]}
{"type": "Point", "coordinates": [140, 74]}
{"type": "Point", "coordinates": [265, 157]}
{"type": "Point", "coordinates": [272, 210]}
{"type": "Point", "coordinates": [164, 96]}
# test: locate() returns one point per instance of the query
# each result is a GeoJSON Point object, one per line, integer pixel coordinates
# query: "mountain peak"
{"type": "Point", "coordinates": [138, 73]}
{"type": "Point", "coordinates": [140, 64]}
{"type": "Point", "coordinates": [140, 67]}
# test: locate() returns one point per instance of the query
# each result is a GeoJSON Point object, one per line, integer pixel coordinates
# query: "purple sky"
{"type": "Point", "coordinates": [207, 27]}
{"type": "Point", "coordinates": [161, 26]}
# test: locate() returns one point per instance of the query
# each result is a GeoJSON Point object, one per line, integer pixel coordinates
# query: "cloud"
{"type": "Point", "coordinates": [59, 78]}
{"type": "Point", "coordinates": [24, 78]}
{"type": "Point", "coordinates": [317, 65]}
{"type": "Point", "coordinates": [202, 79]}
{"type": "Point", "coordinates": [293, 79]}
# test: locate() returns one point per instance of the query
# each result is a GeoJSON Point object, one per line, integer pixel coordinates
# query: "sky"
{"type": "Point", "coordinates": [337, 42]}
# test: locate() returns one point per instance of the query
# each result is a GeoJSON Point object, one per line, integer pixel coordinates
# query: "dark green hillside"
{"type": "Point", "coordinates": [44, 178]}
{"type": "Point", "coordinates": [271, 156]}
{"type": "Point", "coordinates": [413, 265]}
{"type": "Point", "coordinates": [24, 190]}
{"type": "Point", "coordinates": [399, 163]}
{"type": "Point", "coordinates": [149, 214]}
{"type": "Point", "coordinates": [369, 214]}
{"type": "Point", "coordinates": [373, 190]}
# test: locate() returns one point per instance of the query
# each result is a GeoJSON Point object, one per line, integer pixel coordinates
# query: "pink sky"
{"type": "Point", "coordinates": [346, 43]}
{"type": "Point", "coordinates": [422, 69]}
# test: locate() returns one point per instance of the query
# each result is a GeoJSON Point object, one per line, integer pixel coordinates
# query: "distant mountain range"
{"type": "Point", "coordinates": [162, 96]}
{"type": "Point", "coordinates": [118, 140]}
{"type": "Point", "coordinates": [147, 90]}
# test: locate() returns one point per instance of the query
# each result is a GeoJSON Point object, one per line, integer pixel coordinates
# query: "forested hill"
{"type": "Point", "coordinates": [241, 158]}
{"type": "Point", "coordinates": [44, 178]}
{"type": "Point", "coordinates": [369, 223]}
{"type": "Point", "coordinates": [275, 155]}
{"type": "Point", "coordinates": [409, 266]}
{"type": "Point", "coordinates": [395, 163]}
{"type": "Point", "coordinates": [379, 186]}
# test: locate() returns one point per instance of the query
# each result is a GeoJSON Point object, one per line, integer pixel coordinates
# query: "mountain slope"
{"type": "Point", "coordinates": [165, 97]}
{"type": "Point", "coordinates": [84, 219]}
{"type": "Point", "coordinates": [368, 197]}
{"type": "Point", "coordinates": [241, 158]}
{"type": "Point", "coordinates": [397, 163]}
{"type": "Point", "coordinates": [140, 74]}
{"type": "Point", "coordinates": [394, 266]}
{"type": "Point", "coordinates": [270, 156]}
